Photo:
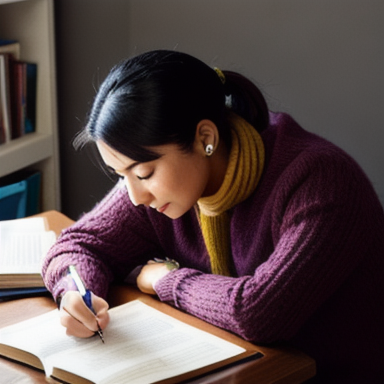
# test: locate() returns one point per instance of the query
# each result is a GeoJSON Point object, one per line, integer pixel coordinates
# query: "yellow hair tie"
{"type": "Point", "coordinates": [220, 74]}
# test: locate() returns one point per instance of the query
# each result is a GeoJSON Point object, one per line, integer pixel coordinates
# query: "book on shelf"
{"type": "Point", "coordinates": [23, 81]}
{"type": "Point", "coordinates": [23, 244]}
{"type": "Point", "coordinates": [3, 138]}
{"type": "Point", "coordinates": [143, 344]}
{"type": "Point", "coordinates": [30, 97]}
{"type": "Point", "coordinates": [9, 50]}
{"type": "Point", "coordinates": [18, 98]}
{"type": "Point", "coordinates": [4, 130]}
{"type": "Point", "coordinates": [18, 83]}
{"type": "Point", "coordinates": [5, 100]}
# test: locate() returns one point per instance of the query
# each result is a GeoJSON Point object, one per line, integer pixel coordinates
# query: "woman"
{"type": "Point", "coordinates": [270, 232]}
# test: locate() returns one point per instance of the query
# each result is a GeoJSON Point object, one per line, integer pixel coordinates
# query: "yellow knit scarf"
{"type": "Point", "coordinates": [245, 166]}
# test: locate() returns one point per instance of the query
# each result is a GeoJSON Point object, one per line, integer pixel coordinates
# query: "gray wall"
{"type": "Point", "coordinates": [320, 60]}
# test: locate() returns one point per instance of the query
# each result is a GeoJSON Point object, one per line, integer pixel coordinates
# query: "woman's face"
{"type": "Point", "coordinates": [171, 184]}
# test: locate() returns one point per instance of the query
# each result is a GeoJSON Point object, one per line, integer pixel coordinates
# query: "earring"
{"type": "Point", "coordinates": [209, 149]}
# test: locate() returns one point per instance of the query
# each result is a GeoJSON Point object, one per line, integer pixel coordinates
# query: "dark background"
{"type": "Point", "coordinates": [320, 60]}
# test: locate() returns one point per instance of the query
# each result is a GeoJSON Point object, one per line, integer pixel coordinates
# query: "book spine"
{"type": "Point", "coordinates": [18, 87]}
{"type": "Point", "coordinates": [17, 99]}
{"type": "Point", "coordinates": [30, 92]}
{"type": "Point", "coordinates": [9, 50]}
{"type": "Point", "coordinates": [5, 102]}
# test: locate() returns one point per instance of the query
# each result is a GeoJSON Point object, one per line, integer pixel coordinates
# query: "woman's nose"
{"type": "Point", "coordinates": [138, 194]}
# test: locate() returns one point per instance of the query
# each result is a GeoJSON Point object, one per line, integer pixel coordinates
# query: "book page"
{"type": "Point", "coordinates": [42, 336]}
{"type": "Point", "coordinates": [142, 345]}
{"type": "Point", "coordinates": [23, 244]}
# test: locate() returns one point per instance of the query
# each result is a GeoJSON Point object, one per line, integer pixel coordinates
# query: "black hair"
{"type": "Point", "coordinates": [159, 97]}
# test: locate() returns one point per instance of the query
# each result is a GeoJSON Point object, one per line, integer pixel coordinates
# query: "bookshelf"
{"type": "Point", "coordinates": [31, 22]}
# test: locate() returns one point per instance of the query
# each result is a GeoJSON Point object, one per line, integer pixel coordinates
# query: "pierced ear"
{"type": "Point", "coordinates": [207, 135]}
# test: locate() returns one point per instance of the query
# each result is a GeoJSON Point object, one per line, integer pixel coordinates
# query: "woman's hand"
{"type": "Point", "coordinates": [79, 320]}
{"type": "Point", "coordinates": [152, 272]}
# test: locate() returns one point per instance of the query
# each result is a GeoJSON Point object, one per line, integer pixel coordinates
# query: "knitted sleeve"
{"type": "Point", "coordinates": [105, 245]}
{"type": "Point", "coordinates": [325, 219]}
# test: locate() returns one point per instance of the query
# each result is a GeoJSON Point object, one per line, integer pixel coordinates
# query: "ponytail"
{"type": "Point", "coordinates": [246, 100]}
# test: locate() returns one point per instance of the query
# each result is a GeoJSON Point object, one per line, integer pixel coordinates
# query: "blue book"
{"type": "Point", "coordinates": [19, 293]}
{"type": "Point", "coordinates": [30, 97]}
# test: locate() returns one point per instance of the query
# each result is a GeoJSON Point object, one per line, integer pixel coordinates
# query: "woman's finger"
{"type": "Point", "coordinates": [86, 322]}
{"type": "Point", "coordinates": [101, 308]}
{"type": "Point", "coordinates": [74, 327]}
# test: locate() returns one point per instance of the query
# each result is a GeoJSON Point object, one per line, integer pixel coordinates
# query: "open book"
{"type": "Point", "coordinates": [23, 244]}
{"type": "Point", "coordinates": [142, 345]}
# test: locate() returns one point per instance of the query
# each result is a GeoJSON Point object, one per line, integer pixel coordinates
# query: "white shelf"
{"type": "Point", "coordinates": [10, 1]}
{"type": "Point", "coordinates": [25, 151]}
{"type": "Point", "coordinates": [31, 22]}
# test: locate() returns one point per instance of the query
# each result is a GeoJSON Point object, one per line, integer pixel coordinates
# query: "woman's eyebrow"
{"type": "Point", "coordinates": [130, 167]}
{"type": "Point", "coordinates": [133, 165]}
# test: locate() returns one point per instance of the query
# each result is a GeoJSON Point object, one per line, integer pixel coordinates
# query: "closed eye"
{"type": "Point", "coordinates": [145, 177]}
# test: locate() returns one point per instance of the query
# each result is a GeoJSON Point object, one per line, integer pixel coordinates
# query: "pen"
{"type": "Point", "coordinates": [85, 294]}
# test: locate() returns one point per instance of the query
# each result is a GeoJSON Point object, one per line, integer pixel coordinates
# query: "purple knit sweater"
{"type": "Point", "coordinates": [307, 245]}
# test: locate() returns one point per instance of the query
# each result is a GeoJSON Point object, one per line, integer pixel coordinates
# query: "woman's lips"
{"type": "Point", "coordinates": [163, 208]}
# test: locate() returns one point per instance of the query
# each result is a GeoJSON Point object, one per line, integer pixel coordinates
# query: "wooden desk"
{"type": "Point", "coordinates": [278, 365]}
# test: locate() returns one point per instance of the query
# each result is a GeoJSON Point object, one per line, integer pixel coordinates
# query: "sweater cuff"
{"type": "Point", "coordinates": [164, 287]}
{"type": "Point", "coordinates": [169, 287]}
{"type": "Point", "coordinates": [64, 285]}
